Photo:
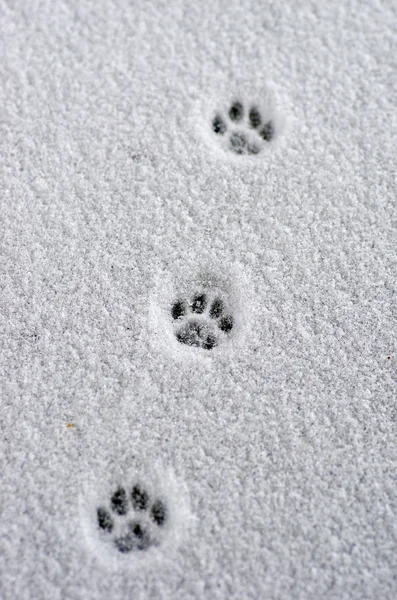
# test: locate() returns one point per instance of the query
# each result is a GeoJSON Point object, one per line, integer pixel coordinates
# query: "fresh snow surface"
{"type": "Point", "coordinates": [198, 315]}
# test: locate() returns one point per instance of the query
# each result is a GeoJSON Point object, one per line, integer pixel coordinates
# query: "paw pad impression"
{"type": "Point", "coordinates": [133, 520]}
{"type": "Point", "coordinates": [245, 130]}
{"type": "Point", "coordinates": [202, 322]}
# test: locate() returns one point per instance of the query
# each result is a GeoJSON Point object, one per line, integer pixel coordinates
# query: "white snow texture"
{"type": "Point", "coordinates": [198, 315]}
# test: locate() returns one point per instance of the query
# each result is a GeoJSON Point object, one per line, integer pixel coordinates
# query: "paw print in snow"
{"type": "Point", "coordinates": [133, 521]}
{"type": "Point", "coordinates": [201, 323]}
{"type": "Point", "coordinates": [247, 132]}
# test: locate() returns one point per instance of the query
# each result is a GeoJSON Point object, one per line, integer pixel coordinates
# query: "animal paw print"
{"type": "Point", "coordinates": [201, 323]}
{"type": "Point", "coordinates": [133, 521]}
{"type": "Point", "coordinates": [247, 132]}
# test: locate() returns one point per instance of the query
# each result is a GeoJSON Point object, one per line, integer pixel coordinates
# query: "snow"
{"type": "Point", "coordinates": [274, 450]}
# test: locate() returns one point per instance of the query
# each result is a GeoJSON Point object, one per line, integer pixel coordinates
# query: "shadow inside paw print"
{"type": "Point", "coordinates": [201, 323]}
{"type": "Point", "coordinates": [133, 520]}
{"type": "Point", "coordinates": [247, 132]}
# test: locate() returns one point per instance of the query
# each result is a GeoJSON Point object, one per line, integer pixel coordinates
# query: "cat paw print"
{"type": "Point", "coordinates": [202, 323]}
{"type": "Point", "coordinates": [245, 131]}
{"type": "Point", "coordinates": [133, 521]}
